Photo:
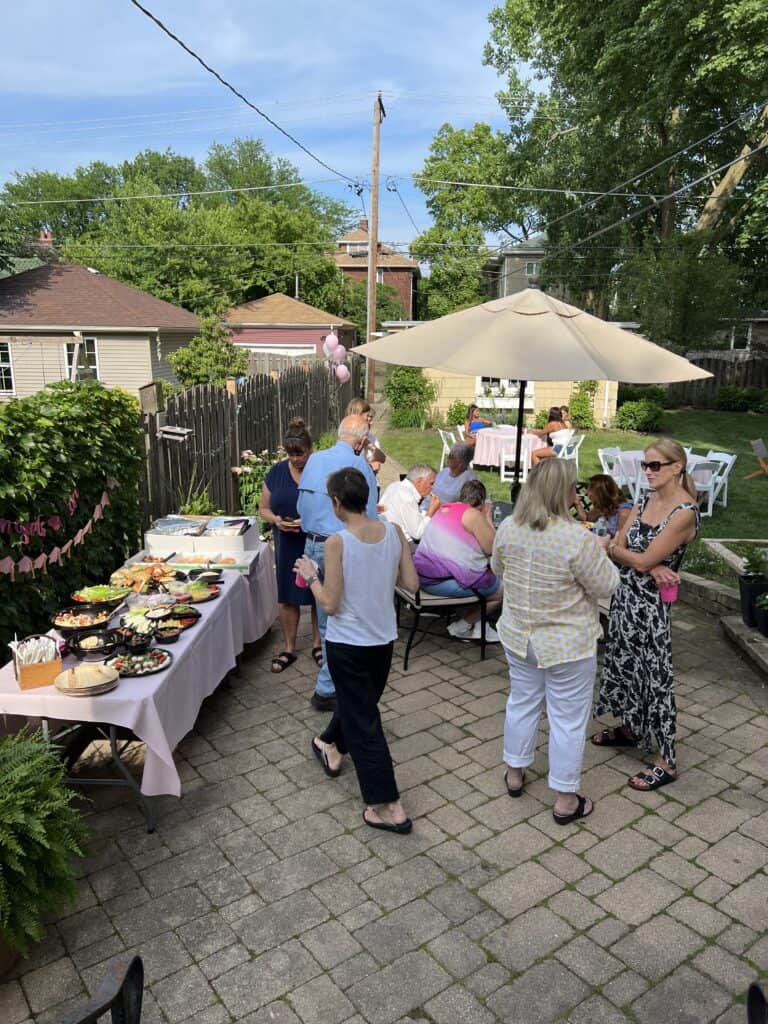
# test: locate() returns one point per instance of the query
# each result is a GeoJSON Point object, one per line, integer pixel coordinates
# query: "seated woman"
{"type": "Point", "coordinates": [455, 474]}
{"type": "Point", "coordinates": [473, 423]}
{"type": "Point", "coordinates": [554, 423]}
{"type": "Point", "coordinates": [608, 503]}
{"type": "Point", "coordinates": [565, 417]}
{"type": "Point", "coordinates": [452, 558]}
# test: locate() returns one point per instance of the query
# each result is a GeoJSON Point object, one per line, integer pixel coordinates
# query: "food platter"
{"type": "Point", "coordinates": [94, 646]}
{"type": "Point", "coordinates": [195, 593]}
{"type": "Point", "coordinates": [183, 615]}
{"type": "Point", "coordinates": [74, 620]}
{"type": "Point", "coordinates": [155, 660]}
{"type": "Point", "coordinates": [143, 577]}
{"type": "Point", "coordinates": [86, 680]}
{"type": "Point", "coordinates": [102, 594]}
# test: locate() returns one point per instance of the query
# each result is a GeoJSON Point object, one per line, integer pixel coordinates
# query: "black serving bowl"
{"type": "Point", "coordinates": [137, 643]}
{"type": "Point", "coordinates": [97, 615]}
{"type": "Point", "coordinates": [167, 634]}
{"type": "Point", "coordinates": [205, 575]}
{"type": "Point", "coordinates": [107, 642]}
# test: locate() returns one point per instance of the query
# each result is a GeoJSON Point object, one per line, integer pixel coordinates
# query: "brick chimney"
{"type": "Point", "coordinates": [46, 236]}
{"type": "Point", "coordinates": [364, 224]}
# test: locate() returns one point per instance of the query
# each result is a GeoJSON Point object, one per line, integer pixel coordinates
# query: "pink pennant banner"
{"type": "Point", "coordinates": [97, 513]}
{"type": "Point", "coordinates": [25, 564]}
{"type": "Point", "coordinates": [104, 500]}
{"type": "Point", "coordinates": [53, 556]}
{"type": "Point", "coordinates": [8, 567]}
{"type": "Point", "coordinates": [112, 483]}
{"type": "Point", "coordinates": [41, 561]}
{"type": "Point", "coordinates": [87, 528]}
{"type": "Point", "coordinates": [77, 540]}
{"type": "Point", "coordinates": [66, 548]}
{"type": "Point", "coordinates": [55, 523]}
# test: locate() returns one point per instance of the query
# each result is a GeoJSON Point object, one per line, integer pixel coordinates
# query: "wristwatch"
{"type": "Point", "coordinates": [312, 579]}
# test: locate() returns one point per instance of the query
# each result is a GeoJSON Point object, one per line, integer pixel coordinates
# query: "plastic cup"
{"type": "Point", "coordinates": [669, 592]}
{"type": "Point", "coordinates": [301, 583]}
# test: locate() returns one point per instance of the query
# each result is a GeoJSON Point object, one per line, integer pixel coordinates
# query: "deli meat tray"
{"type": "Point", "coordinates": [240, 561]}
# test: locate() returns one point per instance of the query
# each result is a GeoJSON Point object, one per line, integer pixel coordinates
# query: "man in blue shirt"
{"type": "Point", "coordinates": [318, 520]}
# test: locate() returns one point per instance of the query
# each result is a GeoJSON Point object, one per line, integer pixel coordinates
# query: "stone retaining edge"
{"type": "Point", "coordinates": [712, 597]}
{"type": "Point", "coordinates": [747, 640]}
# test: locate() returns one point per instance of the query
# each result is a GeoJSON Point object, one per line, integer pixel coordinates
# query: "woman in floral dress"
{"type": "Point", "coordinates": [638, 685]}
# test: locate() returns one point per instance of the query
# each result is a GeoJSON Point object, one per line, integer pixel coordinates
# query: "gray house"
{"type": "Point", "coordinates": [517, 267]}
{"type": "Point", "coordinates": [62, 320]}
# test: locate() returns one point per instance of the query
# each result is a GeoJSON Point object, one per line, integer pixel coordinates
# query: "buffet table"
{"type": "Point", "coordinates": [161, 709]}
{"type": "Point", "coordinates": [491, 440]}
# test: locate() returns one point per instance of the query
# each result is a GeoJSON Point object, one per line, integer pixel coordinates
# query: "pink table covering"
{"type": "Point", "coordinates": [491, 439]}
{"type": "Point", "coordinates": [161, 709]}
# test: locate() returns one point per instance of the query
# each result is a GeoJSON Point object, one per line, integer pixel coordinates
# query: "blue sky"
{"type": "Point", "coordinates": [83, 80]}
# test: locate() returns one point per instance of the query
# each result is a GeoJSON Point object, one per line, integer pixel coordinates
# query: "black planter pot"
{"type": "Point", "coordinates": [750, 588]}
{"type": "Point", "coordinates": [761, 620]}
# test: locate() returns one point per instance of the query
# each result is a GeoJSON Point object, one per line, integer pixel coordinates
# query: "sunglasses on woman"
{"type": "Point", "coordinates": [654, 466]}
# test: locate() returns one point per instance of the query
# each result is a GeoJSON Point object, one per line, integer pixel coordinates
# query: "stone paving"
{"type": "Point", "coordinates": [263, 898]}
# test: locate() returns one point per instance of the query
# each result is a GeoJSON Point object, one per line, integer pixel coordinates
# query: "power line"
{"type": "Point", "coordinates": [236, 92]}
{"type": "Point", "coordinates": [531, 188]}
{"type": "Point", "coordinates": [392, 187]}
{"type": "Point", "coordinates": [169, 195]}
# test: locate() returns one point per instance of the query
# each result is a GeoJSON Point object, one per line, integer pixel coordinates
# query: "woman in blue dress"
{"type": "Point", "coordinates": [279, 494]}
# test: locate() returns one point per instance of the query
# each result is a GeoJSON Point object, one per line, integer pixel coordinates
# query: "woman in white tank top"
{"type": "Point", "coordinates": [362, 564]}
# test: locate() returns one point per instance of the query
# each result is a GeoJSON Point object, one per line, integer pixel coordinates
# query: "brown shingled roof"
{"type": "Point", "coordinates": [277, 309]}
{"type": "Point", "coordinates": [72, 296]}
{"type": "Point", "coordinates": [387, 257]}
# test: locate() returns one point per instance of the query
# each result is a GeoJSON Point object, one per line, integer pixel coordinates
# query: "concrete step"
{"type": "Point", "coordinates": [749, 641]}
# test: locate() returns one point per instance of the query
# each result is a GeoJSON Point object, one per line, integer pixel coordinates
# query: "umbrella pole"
{"type": "Point", "coordinates": [515, 489]}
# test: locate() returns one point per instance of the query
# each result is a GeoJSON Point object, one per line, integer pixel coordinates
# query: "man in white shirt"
{"type": "Point", "coordinates": [400, 502]}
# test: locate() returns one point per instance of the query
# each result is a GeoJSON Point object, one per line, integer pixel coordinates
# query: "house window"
{"type": "Point", "coordinates": [532, 269]}
{"type": "Point", "coordinates": [6, 369]}
{"type": "Point", "coordinates": [741, 335]}
{"type": "Point", "coordinates": [87, 360]}
{"type": "Point", "coordinates": [501, 392]}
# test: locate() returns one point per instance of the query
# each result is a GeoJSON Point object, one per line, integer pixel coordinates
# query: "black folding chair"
{"type": "Point", "coordinates": [120, 992]}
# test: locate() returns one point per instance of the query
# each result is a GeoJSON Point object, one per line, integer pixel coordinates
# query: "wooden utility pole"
{"type": "Point", "coordinates": [373, 245]}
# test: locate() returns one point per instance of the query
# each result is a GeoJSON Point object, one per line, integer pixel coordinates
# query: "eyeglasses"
{"type": "Point", "coordinates": [654, 466]}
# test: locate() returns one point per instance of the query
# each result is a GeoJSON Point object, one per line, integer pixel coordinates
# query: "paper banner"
{"type": "Point", "coordinates": [41, 561]}
{"type": "Point", "coordinates": [25, 565]}
{"type": "Point", "coordinates": [87, 528]}
{"type": "Point", "coordinates": [8, 567]}
{"type": "Point", "coordinates": [112, 483]}
{"type": "Point", "coordinates": [53, 556]}
{"type": "Point", "coordinates": [104, 500]}
{"type": "Point", "coordinates": [65, 548]}
{"type": "Point", "coordinates": [55, 523]}
{"type": "Point", "coordinates": [97, 513]}
{"type": "Point", "coordinates": [77, 540]}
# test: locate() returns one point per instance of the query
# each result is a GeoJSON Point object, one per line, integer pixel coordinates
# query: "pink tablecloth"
{"type": "Point", "coordinates": [489, 444]}
{"type": "Point", "coordinates": [161, 709]}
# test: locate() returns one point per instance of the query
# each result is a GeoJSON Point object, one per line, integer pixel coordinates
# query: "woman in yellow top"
{"type": "Point", "coordinates": [554, 573]}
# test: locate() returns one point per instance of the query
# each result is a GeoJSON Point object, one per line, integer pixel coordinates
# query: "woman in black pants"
{"type": "Point", "coordinates": [362, 564]}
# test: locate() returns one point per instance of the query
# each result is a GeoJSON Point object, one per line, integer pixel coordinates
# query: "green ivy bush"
{"type": "Point", "coordinates": [582, 405]}
{"type": "Point", "coordinates": [643, 416]}
{"type": "Point", "coordinates": [651, 392]}
{"type": "Point", "coordinates": [457, 413]}
{"type": "Point", "coordinates": [40, 833]}
{"type": "Point", "coordinates": [541, 419]}
{"type": "Point", "coordinates": [64, 437]}
{"type": "Point", "coordinates": [409, 394]}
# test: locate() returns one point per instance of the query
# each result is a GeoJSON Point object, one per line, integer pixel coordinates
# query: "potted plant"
{"type": "Point", "coordinates": [753, 582]}
{"type": "Point", "coordinates": [40, 833]}
{"type": "Point", "coordinates": [761, 614]}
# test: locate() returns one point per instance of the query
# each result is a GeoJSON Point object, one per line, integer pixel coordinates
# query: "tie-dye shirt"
{"type": "Point", "coordinates": [448, 551]}
{"type": "Point", "coordinates": [553, 580]}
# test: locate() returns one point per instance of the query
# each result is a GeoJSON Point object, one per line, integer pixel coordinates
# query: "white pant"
{"type": "Point", "coordinates": [567, 689]}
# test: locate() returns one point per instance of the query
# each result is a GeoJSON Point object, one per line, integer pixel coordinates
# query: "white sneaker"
{"type": "Point", "coordinates": [491, 636]}
{"type": "Point", "coordinates": [461, 629]}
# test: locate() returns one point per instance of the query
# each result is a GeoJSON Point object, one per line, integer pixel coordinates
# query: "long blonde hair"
{"type": "Point", "coordinates": [546, 493]}
{"type": "Point", "coordinates": [673, 451]}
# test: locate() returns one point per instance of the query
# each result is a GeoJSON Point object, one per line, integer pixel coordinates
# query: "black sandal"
{"type": "Point", "coordinates": [514, 792]}
{"type": "Point", "coordinates": [402, 828]}
{"type": "Point", "coordinates": [282, 661]}
{"type": "Point", "coordinates": [322, 757]}
{"type": "Point", "coordinates": [566, 819]}
{"type": "Point", "coordinates": [654, 777]}
{"type": "Point", "coordinates": [317, 654]}
{"type": "Point", "coordinates": [613, 738]}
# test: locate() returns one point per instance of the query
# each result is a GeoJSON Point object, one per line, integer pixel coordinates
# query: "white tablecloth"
{"type": "Point", "coordinates": [161, 709]}
{"type": "Point", "coordinates": [629, 466]}
{"type": "Point", "coordinates": [490, 440]}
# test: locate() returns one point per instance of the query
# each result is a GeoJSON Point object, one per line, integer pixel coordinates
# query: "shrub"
{"type": "Point", "coordinates": [40, 832]}
{"type": "Point", "coordinates": [457, 413]}
{"type": "Point", "coordinates": [541, 419]}
{"type": "Point", "coordinates": [209, 358]}
{"type": "Point", "coordinates": [409, 394]}
{"type": "Point", "coordinates": [582, 405]}
{"type": "Point", "coordinates": [637, 392]}
{"type": "Point", "coordinates": [732, 398]}
{"type": "Point", "coordinates": [66, 437]}
{"type": "Point", "coordinates": [250, 476]}
{"type": "Point", "coordinates": [643, 416]}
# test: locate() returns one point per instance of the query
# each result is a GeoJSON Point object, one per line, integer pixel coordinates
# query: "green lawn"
{"type": "Point", "coordinates": [747, 512]}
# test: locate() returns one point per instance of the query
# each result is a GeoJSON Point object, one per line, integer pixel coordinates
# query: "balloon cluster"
{"type": "Point", "coordinates": [335, 351]}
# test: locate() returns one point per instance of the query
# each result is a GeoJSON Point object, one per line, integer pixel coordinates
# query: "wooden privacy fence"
{"type": "Point", "coordinates": [193, 444]}
{"type": "Point", "coordinates": [741, 367]}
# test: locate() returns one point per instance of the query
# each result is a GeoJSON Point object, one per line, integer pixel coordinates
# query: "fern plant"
{"type": "Point", "coordinates": [40, 833]}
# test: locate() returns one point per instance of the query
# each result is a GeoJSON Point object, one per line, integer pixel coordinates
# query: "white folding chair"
{"type": "Point", "coordinates": [570, 451]}
{"type": "Point", "coordinates": [507, 460]}
{"type": "Point", "coordinates": [707, 490]}
{"type": "Point", "coordinates": [610, 463]}
{"type": "Point", "coordinates": [448, 442]}
{"type": "Point", "coordinates": [725, 462]}
{"type": "Point", "coordinates": [636, 480]}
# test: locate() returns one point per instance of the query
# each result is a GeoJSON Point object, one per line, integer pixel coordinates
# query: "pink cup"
{"type": "Point", "coordinates": [301, 583]}
{"type": "Point", "coordinates": [669, 593]}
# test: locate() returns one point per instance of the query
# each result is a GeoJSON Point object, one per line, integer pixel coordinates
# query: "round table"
{"type": "Point", "coordinates": [491, 439]}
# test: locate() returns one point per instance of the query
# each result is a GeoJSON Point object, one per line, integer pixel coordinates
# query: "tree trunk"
{"type": "Point", "coordinates": [714, 208]}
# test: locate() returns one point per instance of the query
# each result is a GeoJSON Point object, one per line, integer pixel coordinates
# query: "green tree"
{"type": "Point", "coordinates": [349, 299]}
{"type": "Point", "coordinates": [209, 358]}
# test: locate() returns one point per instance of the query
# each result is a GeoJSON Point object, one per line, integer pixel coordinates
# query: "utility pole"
{"type": "Point", "coordinates": [373, 245]}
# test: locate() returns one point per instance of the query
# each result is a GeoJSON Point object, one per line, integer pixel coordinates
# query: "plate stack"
{"type": "Point", "coordinates": [86, 680]}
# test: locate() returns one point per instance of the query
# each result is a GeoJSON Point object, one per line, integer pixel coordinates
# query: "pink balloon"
{"type": "Point", "coordinates": [338, 355]}
{"type": "Point", "coordinates": [326, 350]}
{"type": "Point", "coordinates": [331, 341]}
{"type": "Point", "coordinates": [342, 374]}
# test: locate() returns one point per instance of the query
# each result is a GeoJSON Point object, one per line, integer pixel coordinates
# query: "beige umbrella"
{"type": "Point", "coordinates": [532, 336]}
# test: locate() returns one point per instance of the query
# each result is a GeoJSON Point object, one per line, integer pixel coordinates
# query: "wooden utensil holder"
{"type": "Point", "coordinates": [42, 673]}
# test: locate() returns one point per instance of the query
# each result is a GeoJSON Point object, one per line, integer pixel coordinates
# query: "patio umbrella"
{"type": "Point", "coordinates": [531, 336]}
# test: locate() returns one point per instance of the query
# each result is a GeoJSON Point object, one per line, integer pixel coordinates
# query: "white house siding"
{"type": "Point", "coordinates": [37, 360]}
{"type": "Point", "coordinates": [124, 360]}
